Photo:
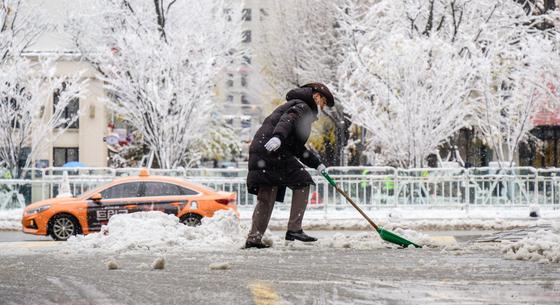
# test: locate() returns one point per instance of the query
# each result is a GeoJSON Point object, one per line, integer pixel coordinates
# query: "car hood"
{"type": "Point", "coordinates": [51, 202]}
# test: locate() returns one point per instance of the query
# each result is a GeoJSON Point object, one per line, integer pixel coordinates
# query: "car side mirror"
{"type": "Point", "coordinates": [96, 197]}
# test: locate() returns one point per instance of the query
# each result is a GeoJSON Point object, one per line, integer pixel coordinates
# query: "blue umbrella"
{"type": "Point", "coordinates": [74, 164]}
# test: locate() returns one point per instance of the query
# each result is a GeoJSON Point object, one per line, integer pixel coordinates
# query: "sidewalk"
{"type": "Point", "coordinates": [417, 218]}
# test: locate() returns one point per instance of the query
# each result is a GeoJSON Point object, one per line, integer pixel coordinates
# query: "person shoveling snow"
{"type": "Point", "coordinates": [275, 154]}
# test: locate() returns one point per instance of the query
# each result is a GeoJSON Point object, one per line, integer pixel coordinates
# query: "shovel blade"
{"type": "Point", "coordinates": [395, 239]}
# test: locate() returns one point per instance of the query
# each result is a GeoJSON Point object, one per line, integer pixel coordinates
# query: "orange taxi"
{"type": "Point", "coordinates": [63, 217]}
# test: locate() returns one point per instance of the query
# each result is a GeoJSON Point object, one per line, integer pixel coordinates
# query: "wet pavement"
{"type": "Point", "coordinates": [469, 273]}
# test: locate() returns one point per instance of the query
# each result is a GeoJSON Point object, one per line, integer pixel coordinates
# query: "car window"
{"type": "Point", "coordinates": [187, 191]}
{"type": "Point", "coordinates": [165, 189]}
{"type": "Point", "coordinates": [160, 189]}
{"type": "Point", "coordinates": [123, 190]}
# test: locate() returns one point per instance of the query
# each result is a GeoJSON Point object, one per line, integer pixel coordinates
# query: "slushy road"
{"type": "Point", "coordinates": [37, 272]}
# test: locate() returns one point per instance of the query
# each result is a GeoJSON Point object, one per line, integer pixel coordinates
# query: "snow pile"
{"type": "Point", "coordinates": [158, 263]}
{"type": "Point", "coordinates": [416, 237]}
{"type": "Point", "coordinates": [220, 266]}
{"type": "Point", "coordinates": [160, 232]}
{"type": "Point", "coordinates": [64, 187]}
{"type": "Point", "coordinates": [11, 219]}
{"type": "Point", "coordinates": [419, 218]}
{"type": "Point", "coordinates": [367, 240]}
{"type": "Point", "coordinates": [542, 246]}
{"type": "Point", "coordinates": [534, 210]}
{"type": "Point", "coordinates": [413, 224]}
{"type": "Point", "coordinates": [112, 264]}
{"type": "Point", "coordinates": [362, 241]}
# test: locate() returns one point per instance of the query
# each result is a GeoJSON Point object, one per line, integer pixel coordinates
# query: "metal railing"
{"type": "Point", "coordinates": [370, 186]}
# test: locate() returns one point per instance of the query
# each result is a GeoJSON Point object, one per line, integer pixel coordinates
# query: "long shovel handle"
{"type": "Point", "coordinates": [343, 193]}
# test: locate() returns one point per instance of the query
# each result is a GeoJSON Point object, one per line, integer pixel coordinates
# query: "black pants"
{"type": "Point", "coordinates": [263, 210]}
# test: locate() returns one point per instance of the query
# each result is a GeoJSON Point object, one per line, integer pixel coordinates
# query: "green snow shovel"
{"type": "Point", "coordinates": [385, 234]}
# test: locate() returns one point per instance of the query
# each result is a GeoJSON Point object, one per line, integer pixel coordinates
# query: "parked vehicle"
{"type": "Point", "coordinates": [63, 217]}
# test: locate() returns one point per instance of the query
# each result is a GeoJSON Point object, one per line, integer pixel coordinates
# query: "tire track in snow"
{"type": "Point", "coordinates": [78, 291]}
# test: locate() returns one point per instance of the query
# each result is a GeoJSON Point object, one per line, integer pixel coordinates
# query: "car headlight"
{"type": "Point", "coordinates": [38, 210]}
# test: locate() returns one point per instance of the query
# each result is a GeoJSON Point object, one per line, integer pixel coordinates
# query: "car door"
{"type": "Point", "coordinates": [117, 199]}
{"type": "Point", "coordinates": [165, 197]}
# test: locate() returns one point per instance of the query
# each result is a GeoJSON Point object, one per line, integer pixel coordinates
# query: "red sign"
{"type": "Point", "coordinates": [548, 115]}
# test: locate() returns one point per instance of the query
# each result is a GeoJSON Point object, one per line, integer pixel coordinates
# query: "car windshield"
{"type": "Point", "coordinates": [92, 191]}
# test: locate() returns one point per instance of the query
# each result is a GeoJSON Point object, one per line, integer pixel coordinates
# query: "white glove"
{"type": "Point", "coordinates": [273, 144]}
{"type": "Point", "coordinates": [321, 168]}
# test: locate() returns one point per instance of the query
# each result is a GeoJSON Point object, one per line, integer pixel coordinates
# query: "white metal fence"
{"type": "Point", "coordinates": [370, 186]}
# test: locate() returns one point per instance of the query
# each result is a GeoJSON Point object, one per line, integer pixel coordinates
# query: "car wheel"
{"type": "Point", "coordinates": [63, 226]}
{"type": "Point", "coordinates": [191, 220]}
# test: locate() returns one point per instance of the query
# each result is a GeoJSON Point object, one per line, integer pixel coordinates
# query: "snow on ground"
{"type": "Point", "coordinates": [160, 232]}
{"type": "Point", "coordinates": [414, 224]}
{"type": "Point", "coordinates": [542, 246]}
{"type": "Point", "coordinates": [10, 219]}
{"type": "Point", "coordinates": [157, 232]}
{"type": "Point", "coordinates": [420, 218]}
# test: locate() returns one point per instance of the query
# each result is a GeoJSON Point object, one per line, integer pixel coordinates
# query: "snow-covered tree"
{"type": "Point", "coordinates": [302, 45]}
{"type": "Point", "coordinates": [224, 144]}
{"type": "Point", "coordinates": [404, 81]}
{"type": "Point", "coordinates": [512, 88]}
{"type": "Point", "coordinates": [26, 87]}
{"type": "Point", "coordinates": [415, 69]}
{"type": "Point", "coordinates": [159, 61]}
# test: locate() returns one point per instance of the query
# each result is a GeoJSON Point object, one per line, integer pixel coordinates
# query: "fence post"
{"type": "Point", "coordinates": [537, 178]}
{"type": "Point", "coordinates": [396, 186]}
{"type": "Point", "coordinates": [466, 181]}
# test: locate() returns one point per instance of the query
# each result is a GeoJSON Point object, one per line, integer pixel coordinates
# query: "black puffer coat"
{"type": "Point", "coordinates": [291, 123]}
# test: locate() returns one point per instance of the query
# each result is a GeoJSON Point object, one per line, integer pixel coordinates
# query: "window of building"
{"type": "Point", "coordinates": [13, 103]}
{"type": "Point", "coordinates": [63, 155]}
{"type": "Point", "coordinates": [229, 99]}
{"type": "Point", "coordinates": [13, 108]}
{"type": "Point", "coordinates": [23, 155]}
{"type": "Point", "coordinates": [246, 14]}
{"type": "Point", "coordinates": [70, 111]}
{"type": "Point", "coordinates": [229, 81]}
{"type": "Point", "coordinates": [246, 38]}
{"type": "Point", "coordinates": [227, 14]}
{"type": "Point", "coordinates": [246, 60]}
{"type": "Point", "coordinates": [244, 80]}
{"type": "Point", "coordinates": [244, 99]}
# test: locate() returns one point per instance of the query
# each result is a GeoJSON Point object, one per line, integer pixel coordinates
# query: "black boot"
{"type": "Point", "coordinates": [258, 245]}
{"type": "Point", "coordinates": [299, 235]}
